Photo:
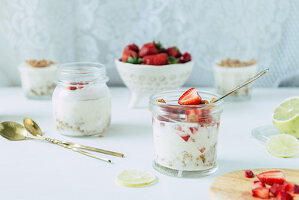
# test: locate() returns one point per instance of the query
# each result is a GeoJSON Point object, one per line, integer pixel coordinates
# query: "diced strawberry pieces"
{"type": "Point", "coordinates": [157, 59]}
{"type": "Point", "coordinates": [289, 187]}
{"type": "Point", "coordinates": [296, 189]}
{"type": "Point", "coordinates": [261, 192]}
{"type": "Point", "coordinates": [186, 137]}
{"type": "Point", "coordinates": [202, 150]}
{"type": "Point", "coordinates": [132, 47]}
{"type": "Point", "coordinates": [148, 49]}
{"type": "Point", "coordinates": [249, 174]}
{"type": "Point", "coordinates": [72, 88]}
{"type": "Point", "coordinates": [271, 177]}
{"type": "Point", "coordinates": [193, 129]}
{"type": "Point", "coordinates": [258, 184]}
{"type": "Point", "coordinates": [284, 196]}
{"type": "Point", "coordinates": [190, 97]}
{"type": "Point", "coordinates": [275, 188]}
{"type": "Point", "coordinates": [186, 57]}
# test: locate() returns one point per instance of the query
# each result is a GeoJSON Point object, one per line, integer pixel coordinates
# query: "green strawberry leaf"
{"type": "Point", "coordinates": [173, 60]}
{"type": "Point", "coordinates": [139, 61]}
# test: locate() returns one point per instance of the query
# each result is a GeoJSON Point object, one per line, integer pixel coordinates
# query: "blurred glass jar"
{"type": "Point", "coordinates": [185, 137]}
{"type": "Point", "coordinates": [81, 101]}
{"type": "Point", "coordinates": [230, 73]}
{"type": "Point", "coordinates": [38, 78]}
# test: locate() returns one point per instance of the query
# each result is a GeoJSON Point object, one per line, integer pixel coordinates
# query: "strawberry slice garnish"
{"type": "Point", "coordinates": [284, 196]}
{"type": "Point", "coordinates": [261, 192]}
{"type": "Point", "coordinates": [271, 177]}
{"type": "Point", "coordinates": [249, 174]}
{"type": "Point", "coordinates": [258, 184]}
{"type": "Point", "coordinates": [190, 97]}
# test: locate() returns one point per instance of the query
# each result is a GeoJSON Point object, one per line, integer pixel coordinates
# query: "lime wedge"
{"type": "Point", "coordinates": [286, 116]}
{"type": "Point", "coordinates": [135, 178]}
{"type": "Point", "coordinates": [283, 146]}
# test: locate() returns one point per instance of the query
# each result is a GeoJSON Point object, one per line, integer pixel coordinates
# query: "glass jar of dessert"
{"type": "Point", "coordinates": [38, 78]}
{"type": "Point", "coordinates": [230, 73]}
{"type": "Point", "coordinates": [81, 101]}
{"type": "Point", "coordinates": [185, 136]}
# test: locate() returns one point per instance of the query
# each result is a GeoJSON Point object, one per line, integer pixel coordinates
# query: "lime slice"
{"type": "Point", "coordinates": [135, 178]}
{"type": "Point", "coordinates": [286, 116]}
{"type": "Point", "coordinates": [283, 146]}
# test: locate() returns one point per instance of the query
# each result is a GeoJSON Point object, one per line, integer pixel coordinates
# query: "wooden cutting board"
{"type": "Point", "coordinates": [235, 186]}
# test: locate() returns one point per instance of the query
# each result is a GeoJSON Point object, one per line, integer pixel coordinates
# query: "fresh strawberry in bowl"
{"type": "Point", "coordinates": [152, 68]}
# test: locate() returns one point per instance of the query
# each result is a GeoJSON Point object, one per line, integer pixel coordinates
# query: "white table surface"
{"type": "Point", "coordinates": [37, 170]}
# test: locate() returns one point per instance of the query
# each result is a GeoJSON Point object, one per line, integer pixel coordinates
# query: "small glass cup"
{"type": "Point", "coordinates": [227, 78]}
{"type": "Point", "coordinates": [185, 136]}
{"type": "Point", "coordinates": [81, 101]}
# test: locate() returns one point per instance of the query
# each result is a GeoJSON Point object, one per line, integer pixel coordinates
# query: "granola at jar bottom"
{"type": "Point", "coordinates": [185, 132]}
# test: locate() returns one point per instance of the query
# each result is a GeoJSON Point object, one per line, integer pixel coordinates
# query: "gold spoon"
{"type": "Point", "coordinates": [34, 129]}
{"type": "Point", "coordinates": [15, 131]}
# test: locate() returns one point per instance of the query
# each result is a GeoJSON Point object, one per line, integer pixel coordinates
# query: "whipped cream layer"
{"type": "Point", "coordinates": [185, 146]}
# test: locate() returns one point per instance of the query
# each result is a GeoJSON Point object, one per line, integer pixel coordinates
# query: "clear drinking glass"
{"type": "Point", "coordinates": [185, 137]}
{"type": "Point", "coordinates": [81, 101]}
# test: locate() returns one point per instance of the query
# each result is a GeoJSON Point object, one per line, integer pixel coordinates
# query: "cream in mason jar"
{"type": "Point", "coordinates": [81, 100]}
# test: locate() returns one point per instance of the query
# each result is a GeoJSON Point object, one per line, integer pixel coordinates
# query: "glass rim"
{"type": "Point", "coordinates": [154, 97]}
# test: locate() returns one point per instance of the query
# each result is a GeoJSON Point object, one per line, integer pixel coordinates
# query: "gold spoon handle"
{"type": "Point", "coordinates": [244, 84]}
{"type": "Point", "coordinates": [112, 153]}
{"type": "Point", "coordinates": [53, 141]}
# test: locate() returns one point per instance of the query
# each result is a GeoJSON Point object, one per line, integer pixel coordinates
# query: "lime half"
{"type": "Point", "coordinates": [283, 146]}
{"type": "Point", "coordinates": [135, 178]}
{"type": "Point", "coordinates": [286, 116]}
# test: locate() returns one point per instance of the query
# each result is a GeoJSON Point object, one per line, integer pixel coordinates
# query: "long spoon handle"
{"type": "Point", "coordinates": [244, 84]}
{"type": "Point", "coordinates": [57, 142]}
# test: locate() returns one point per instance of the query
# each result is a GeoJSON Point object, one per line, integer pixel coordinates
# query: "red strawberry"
{"type": "Point", "coordinates": [258, 184]}
{"type": "Point", "coordinates": [296, 189]}
{"type": "Point", "coordinates": [249, 174]}
{"type": "Point", "coordinates": [202, 150]}
{"type": "Point", "coordinates": [128, 54]}
{"type": "Point", "coordinates": [261, 192]}
{"type": "Point", "coordinates": [193, 129]}
{"type": "Point", "coordinates": [148, 49]}
{"type": "Point", "coordinates": [271, 177]}
{"type": "Point", "coordinates": [284, 196]}
{"type": "Point", "coordinates": [289, 187]}
{"type": "Point", "coordinates": [132, 47]}
{"type": "Point", "coordinates": [190, 97]}
{"type": "Point", "coordinates": [186, 57]}
{"type": "Point", "coordinates": [275, 188]}
{"type": "Point", "coordinates": [174, 52]}
{"type": "Point", "coordinates": [72, 88]}
{"type": "Point", "coordinates": [158, 59]}
{"type": "Point", "coordinates": [185, 137]}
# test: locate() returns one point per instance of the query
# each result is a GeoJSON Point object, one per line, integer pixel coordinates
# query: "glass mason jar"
{"type": "Point", "coordinates": [81, 101]}
{"type": "Point", "coordinates": [227, 78]}
{"type": "Point", "coordinates": [185, 136]}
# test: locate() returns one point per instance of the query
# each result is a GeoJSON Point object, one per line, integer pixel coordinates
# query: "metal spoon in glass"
{"type": "Point", "coordinates": [15, 131]}
{"type": "Point", "coordinates": [34, 129]}
{"type": "Point", "coordinates": [243, 84]}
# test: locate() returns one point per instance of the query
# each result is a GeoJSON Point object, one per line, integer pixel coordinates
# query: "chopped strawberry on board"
{"type": "Point", "coordinates": [284, 196]}
{"type": "Point", "coordinates": [289, 187]}
{"type": "Point", "coordinates": [261, 192]}
{"type": "Point", "coordinates": [132, 47]}
{"type": "Point", "coordinates": [186, 57]}
{"type": "Point", "coordinates": [271, 177]}
{"type": "Point", "coordinates": [275, 188]}
{"type": "Point", "coordinates": [174, 52]}
{"type": "Point", "coordinates": [296, 189]}
{"type": "Point", "coordinates": [190, 97]}
{"type": "Point", "coordinates": [249, 174]}
{"type": "Point", "coordinates": [128, 54]}
{"type": "Point", "coordinates": [258, 184]}
{"type": "Point", "coordinates": [149, 49]}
